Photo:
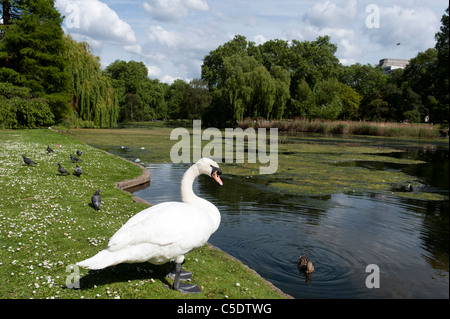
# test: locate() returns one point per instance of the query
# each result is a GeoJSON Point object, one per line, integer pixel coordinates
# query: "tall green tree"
{"type": "Point", "coordinates": [421, 72]}
{"type": "Point", "coordinates": [213, 63]}
{"type": "Point", "coordinates": [314, 61]}
{"type": "Point", "coordinates": [140, 98]}
{"type": "Point", "coordinates": [441, 109]}
{"type": "Point", "coordinates": [374, 107]}
{"type": "Point", "coordinates": [282, 91]}
{"type": "Point", "coordinates": [8, 11]}
{"type": "Point", "coordinates": [196, 99]}
{"type": "Point", "coordinates": [425, 81]}
{"type": "Point", "coordinates": [351, 100]}
{"type": "Point", "coordinates": [235, 85]}
{"type": "Point", "coordinates": [327, 103]}
{"type": "Point", "coordinates": [247, 89]}
{"type": "Point", "coordinates": [369, 82]}
{"type": "Point", "coordinates": [174, 98]}
{"type": "Point", "coordinates": [152, 94]}
{"type": "Point", "coordinates": [32, 47]}
{"type": "Point", "coordinates": [400, 92]}
{"type": "Point", "coordinates": [275, 53]}
{"type": "Point", "coordinates": [93, 101]}
{"type": "Point", "coordinates": [365, 79]}
{"type": "Point", "coordinates": [301, 98]}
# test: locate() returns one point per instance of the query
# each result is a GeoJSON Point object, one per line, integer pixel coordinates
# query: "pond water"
{"type": "Point", "coordinates": [342, 233]}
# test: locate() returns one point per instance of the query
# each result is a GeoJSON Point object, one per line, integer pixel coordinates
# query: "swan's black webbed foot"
{"type": "Point", "coordinates": [184, 275]}
{"type": "Point", "coordinates": [181, 286]}
{"type": "Point", "coordinates": [188, 288]}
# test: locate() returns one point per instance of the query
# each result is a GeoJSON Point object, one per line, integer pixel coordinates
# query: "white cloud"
{"type": "Point", "coordinates": [338, 22]}
{"type": "Point", "coordinates": [153, 71]}
{"type": "Point", "coordinates": [172, 10]}
{"type": "Point", "coordinates": [183, 48]}
{"type": "Point", "coordinates": [328, 14]}
{"type": "Point", "coordinates": [163, 36]}
{"type": "Point", "coordinates": [136, 48]}
{"type": "Point", "coordinates": [259, 39]}
{"type": "Point", "coordinates": [413, 27]}
{"type": "Point", "coordinates": [188, 40]}
{"type": "Point", "coordinates": [168, 79]}
{"type": "Point", "coordinates": [197, 5]}
{"type": "Point", "coordinates": [94, 20]}
{"type": "Point", "coordinates": [334, 33]}
{"type": "Point", "coordinates": [349, 52]}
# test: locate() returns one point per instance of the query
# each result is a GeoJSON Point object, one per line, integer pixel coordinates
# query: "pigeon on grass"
{"type": "Point", "coordinates": [77, 171]}
{"type": "Point", "coordinates": [62, 170]}
{"type": "Point", "coordinates": [96, 200]}
{"type": "Point", "coordinates": [28, 161]}
{"type": "Point", "coordinates": [74, 158]}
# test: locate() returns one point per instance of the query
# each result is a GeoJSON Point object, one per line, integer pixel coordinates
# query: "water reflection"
{"type": "Point", "coordinates": [342, 233]}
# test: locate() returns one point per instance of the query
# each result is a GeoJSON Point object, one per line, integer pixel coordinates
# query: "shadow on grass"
{"type": "Point", "coordinates": [124, 273]}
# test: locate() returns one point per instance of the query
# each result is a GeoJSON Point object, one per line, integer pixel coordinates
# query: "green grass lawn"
{"type": "Point", "coordinates": [47, 225]}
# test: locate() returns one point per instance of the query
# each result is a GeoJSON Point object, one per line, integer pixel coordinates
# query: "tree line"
{"type": "Point", "coordinates": [288, 79]}
{"type": "Point", "coordinates": [46, 77]}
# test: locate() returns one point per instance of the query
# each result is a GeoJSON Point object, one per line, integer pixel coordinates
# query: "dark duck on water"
{"type": "Point", "coordinates": [305, 264]}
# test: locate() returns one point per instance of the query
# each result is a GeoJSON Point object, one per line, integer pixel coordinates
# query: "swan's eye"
{"type": "Point", "coordinates": [215, 173]}
{"type": "Point", "coordinates": [216, 170]}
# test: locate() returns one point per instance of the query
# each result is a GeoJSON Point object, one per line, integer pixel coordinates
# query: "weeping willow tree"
{"type": "Point", "coordinates": [247, 89]}
{"type": "Point", "coordinates": [93, 99]}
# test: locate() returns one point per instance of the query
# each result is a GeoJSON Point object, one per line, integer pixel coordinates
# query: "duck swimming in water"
{"type": "Point", "coordinates": [305, 264]}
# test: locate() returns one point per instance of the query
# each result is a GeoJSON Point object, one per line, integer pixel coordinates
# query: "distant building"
{"type": "Point", "coordinates": [390, 65]}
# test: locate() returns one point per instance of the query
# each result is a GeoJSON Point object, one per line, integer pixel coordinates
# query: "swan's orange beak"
{"type": "Point", "coordinates": [217, 178]}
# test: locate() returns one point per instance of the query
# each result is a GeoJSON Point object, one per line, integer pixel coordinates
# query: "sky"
{"type": "Point", "coordinates": [172, 37]}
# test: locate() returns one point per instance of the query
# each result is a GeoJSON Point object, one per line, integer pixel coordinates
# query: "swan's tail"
{"type": "Point", "coordinates": [102, 260]}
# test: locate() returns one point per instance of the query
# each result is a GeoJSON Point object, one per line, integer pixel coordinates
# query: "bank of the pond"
{"type": "Point", "coordinates": [384, 129]}
{"type": "Point", "coordinates": [47, 225]}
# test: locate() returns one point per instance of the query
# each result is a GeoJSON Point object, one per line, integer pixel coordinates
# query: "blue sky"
{"type": "Point", "coordinates": [173, 36]}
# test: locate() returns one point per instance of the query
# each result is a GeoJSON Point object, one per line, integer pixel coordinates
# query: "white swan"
{"type": "Point", "coordinates": [167, 231]}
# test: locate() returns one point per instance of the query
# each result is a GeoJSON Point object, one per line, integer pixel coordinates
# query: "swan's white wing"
{"type": "Point", "coordinates": [161, 225]}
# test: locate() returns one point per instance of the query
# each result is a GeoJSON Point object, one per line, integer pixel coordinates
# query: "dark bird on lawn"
{"type": "Point", "coordinates": [74, 159]}
{"type": "Point", "coordinates": [96, 200]}
{"type": "Point", "coordinates": [62, 170]}
{"type": "Point", "coordinates": [28, 161]}
{"type": "Point", "coordinates": [305, 264]}
{"type": "Point", "coordinates": [77, 171]}
{"type": "Point", "coordinates": [79, 152]}
{"type": "Point", "coordinates": [49, 150]}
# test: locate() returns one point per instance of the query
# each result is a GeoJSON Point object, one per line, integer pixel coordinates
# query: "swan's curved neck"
{"type": "Point", "coordinates": [188, 196]}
